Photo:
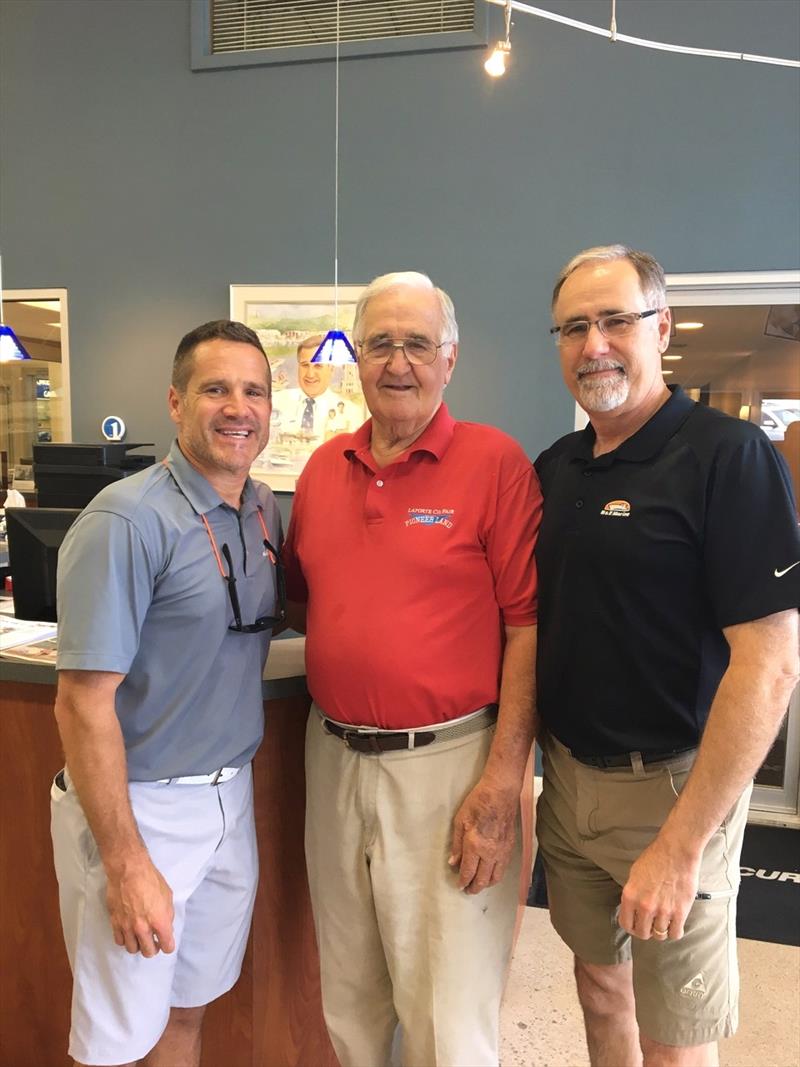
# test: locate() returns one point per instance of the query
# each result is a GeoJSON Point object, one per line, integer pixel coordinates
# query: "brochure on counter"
{"type": "Point", "coordinates": [41, 652]}
{"type": "Point", "coordinates": [24, 632]}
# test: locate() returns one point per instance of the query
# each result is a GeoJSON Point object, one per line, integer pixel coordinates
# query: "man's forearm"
{"type": "Point", "coordinates": [95, 755]}
{"type": "Point", "coordinates": [750, 703]}
{"type": "Point", "coordinates": [517, 721]}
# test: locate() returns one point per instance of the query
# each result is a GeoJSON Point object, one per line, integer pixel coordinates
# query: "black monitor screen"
{"type": "Point", "coordinates": [34, 537]}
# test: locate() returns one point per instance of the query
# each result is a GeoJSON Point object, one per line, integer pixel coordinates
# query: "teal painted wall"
{"type": "Point", "coordinates": [145, 188]}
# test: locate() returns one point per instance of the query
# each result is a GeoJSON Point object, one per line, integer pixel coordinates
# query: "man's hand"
{"type": "Point", "coordinates": [140, 909]}
{"type": "Point", "coordinates": [660, 891]}
{"type": "Point", "coordinates": [483, 836]}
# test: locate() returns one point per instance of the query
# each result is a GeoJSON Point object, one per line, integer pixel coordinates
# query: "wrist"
{"type": "Point", "coordinates": [120, 863]}
{"type": "Point", "coordinates": [504, 781]}
{"type": "Point", "coordinates": [687, 848]}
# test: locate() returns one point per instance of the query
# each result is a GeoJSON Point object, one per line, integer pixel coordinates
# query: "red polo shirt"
{"type": "Point", "coordinates": [410, 571]}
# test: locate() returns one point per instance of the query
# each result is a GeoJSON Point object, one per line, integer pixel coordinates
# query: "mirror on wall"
{"type": "Point", "coordinates": [34, 393]}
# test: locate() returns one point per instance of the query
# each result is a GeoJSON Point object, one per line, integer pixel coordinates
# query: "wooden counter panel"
{"type": "Point", "coordinates": [272, 1017]}
{"type": "Point", "coordinates": [35, 980]}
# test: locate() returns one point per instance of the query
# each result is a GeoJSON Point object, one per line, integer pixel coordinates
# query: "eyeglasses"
{"type": "Point", "coordinates": [418, 351]}
{"type": "Point", "coordinates": [611, 326]}
{"type": "Point", "coordinates": [265, 622]}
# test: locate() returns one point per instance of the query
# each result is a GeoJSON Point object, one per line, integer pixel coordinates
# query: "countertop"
{"type": "Point", "coordinates": [284, 674]}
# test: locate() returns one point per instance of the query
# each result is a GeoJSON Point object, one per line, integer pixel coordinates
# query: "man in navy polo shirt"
{"type": "Point", "coordinates": [668, 590]}
{"type": "Point", "coordinates": [166, 599]}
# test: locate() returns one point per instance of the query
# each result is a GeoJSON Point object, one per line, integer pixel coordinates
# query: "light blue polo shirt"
{"type": "Point", "coordinates": [140, 594]}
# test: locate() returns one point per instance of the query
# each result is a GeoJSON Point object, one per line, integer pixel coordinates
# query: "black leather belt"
{"type": "Point", "coordinates": [625, 759]}
{"type": "Point", "coordinates": [394, 740]}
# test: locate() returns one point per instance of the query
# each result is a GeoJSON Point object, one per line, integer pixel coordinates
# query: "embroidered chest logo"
{"type": "Point", "coordinates": [617, 509]}
{"type": "Point", "coordinates": [431, 517]}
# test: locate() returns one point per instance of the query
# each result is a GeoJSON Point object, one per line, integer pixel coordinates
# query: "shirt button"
{"type": "Point", "coordinates": [587, 474]}
{"type": "Point", "coordinates": [379, 484]}
{"type": "Point", "coordinates": [578, 503]}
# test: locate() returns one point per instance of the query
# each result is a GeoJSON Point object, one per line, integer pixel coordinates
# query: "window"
{"type": "Point", "coordinates": [228, 33]}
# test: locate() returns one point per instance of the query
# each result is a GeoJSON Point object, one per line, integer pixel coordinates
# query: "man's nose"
{"type": "Point", "coordinates": [398, 362]}
{"type": "Point", "coordinates": [235, 403]}
{"type": "Point", "coordinates": [596, 343]}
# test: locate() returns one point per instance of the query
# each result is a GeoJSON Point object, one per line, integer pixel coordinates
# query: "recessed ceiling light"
{"type": "Point", "coordinates": [48, 305]}
{"type": "Point", "coordinates": [672, 357]}
{"type": "Point", "coordinates": [667, 372]}
{"type": "Point", "coordinates": [689, 325]}
{"type": "Point", "coordinates": [58, 327]}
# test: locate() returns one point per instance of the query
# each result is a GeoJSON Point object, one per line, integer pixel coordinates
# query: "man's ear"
{"type": "Point", "coordinates": [175, 404]}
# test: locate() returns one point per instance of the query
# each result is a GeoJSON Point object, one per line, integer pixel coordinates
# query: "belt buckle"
{"type": "Point", "coordinates": [361, 735]}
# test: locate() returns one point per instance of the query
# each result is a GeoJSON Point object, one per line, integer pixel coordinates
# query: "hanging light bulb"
{"type": "Point", "coordinates": [335, 348]}
{"type": "Point", "coordinates": [495, 65]}
{"type": "Point", "coordinates": [10, 345]}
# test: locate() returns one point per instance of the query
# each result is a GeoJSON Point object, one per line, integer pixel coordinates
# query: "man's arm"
{"type": "Point", "coordinates": [744, 719]}
{"type": "Point", "coordinates": [139, 900]}
{"type": "Point", "coordinates": [484, 826]}
{"type": "Point", "coordinates": [296, 616]}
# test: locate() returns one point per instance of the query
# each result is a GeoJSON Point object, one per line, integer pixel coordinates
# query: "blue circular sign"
{"type": "Point", "coordinates": [113, 428]}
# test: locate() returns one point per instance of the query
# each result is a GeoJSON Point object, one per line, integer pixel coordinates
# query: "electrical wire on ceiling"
{"type": "Point", "coordinates": [503, 48]}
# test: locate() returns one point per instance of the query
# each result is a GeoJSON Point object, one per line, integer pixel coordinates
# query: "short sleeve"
{"type": "Point", "coordinates": [104, 588]}
{"type": "Point", "coordinates": [752, 540]}
{"type": "Point", "coordinates": [511, 543]}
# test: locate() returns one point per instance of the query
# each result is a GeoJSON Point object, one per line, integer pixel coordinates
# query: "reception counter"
{"type": "Point", "coordinates": [273, 1017]}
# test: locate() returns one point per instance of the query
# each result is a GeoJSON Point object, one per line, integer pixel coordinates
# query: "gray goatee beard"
{"type": "Point", "coordinates": [606, 394]}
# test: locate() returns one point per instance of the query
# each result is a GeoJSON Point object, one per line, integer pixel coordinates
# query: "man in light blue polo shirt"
{"type": "Point", "coordinates": [167, 594]}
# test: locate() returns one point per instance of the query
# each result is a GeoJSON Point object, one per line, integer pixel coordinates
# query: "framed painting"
{"type": "Point", "coordinates": [311, 402]}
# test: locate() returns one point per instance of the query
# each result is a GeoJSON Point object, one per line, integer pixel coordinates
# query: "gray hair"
{"type": "Point", "coordinates": [410, 279]}
{"type": "Point", "coordinates": [651, 274]}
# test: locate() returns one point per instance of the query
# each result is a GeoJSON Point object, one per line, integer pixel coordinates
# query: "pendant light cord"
{"type": "Point", "coordinates": [336, 184]}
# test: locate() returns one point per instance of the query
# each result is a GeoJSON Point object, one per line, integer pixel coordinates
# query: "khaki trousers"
{"type": "Point", "coordinates": [398, 941]}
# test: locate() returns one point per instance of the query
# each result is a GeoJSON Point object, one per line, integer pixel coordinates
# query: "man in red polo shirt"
{"type": "Point", "coordinates": [411, 549]}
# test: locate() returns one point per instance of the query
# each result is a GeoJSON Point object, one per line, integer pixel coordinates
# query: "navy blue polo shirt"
{"type": "Point", "coordinates": [645, 555]}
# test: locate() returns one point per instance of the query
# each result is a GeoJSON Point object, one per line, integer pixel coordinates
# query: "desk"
{"type": "Point", "coordinates": [273, 1016]}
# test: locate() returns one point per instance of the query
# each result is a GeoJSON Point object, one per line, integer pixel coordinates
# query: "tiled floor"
{"type": "Point", "coordinates": [541, 1022]}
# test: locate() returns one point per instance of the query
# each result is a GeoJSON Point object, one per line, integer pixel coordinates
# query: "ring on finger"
{"type": "Point", "coordinates": [661, 933]}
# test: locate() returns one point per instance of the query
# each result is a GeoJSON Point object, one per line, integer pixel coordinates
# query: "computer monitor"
{"type": "Point", "coordinates": [34, 537]}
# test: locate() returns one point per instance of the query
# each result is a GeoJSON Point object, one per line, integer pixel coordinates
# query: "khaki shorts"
{"type": "Point", "coordinates": [591, 825]}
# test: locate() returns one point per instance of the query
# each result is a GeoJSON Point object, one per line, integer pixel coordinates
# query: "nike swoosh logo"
{"type": "Point", "coordinates": [780, 574]}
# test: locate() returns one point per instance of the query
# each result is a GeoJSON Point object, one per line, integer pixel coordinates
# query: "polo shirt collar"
{"type": "Point", "coordinates": [648, 440]}
{"type": "Point", "coordinates": [202, 496]}
{"type": "Point", "coordinates": [435, 439]}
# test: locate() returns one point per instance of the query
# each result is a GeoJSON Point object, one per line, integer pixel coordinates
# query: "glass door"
{"type": "Point", "coordinates": [34, 393]}
{"type": "Point", "coordinates": [736, 346]}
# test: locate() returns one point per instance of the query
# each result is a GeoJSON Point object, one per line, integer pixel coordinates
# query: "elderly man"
{"type": "Point", "coordinates": [166, 598]}
{"type": "Point", "coordinates": [668, 652]}
{"type": "Point", "coordinates": [411, 542]}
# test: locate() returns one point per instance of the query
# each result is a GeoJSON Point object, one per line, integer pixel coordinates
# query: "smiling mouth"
{"type": "Point", "coordinates": [239, 435]}
{"type": "Point", "coordinates": [591, 372]}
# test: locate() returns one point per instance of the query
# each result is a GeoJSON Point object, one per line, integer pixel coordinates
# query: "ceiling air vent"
{"type": "Point", "coordinates": [252, 25]}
